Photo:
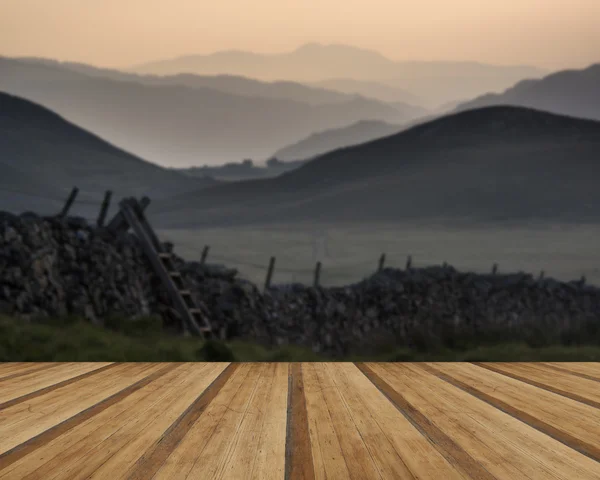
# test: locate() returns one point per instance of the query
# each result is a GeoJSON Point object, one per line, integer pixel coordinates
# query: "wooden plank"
{"type": "Point", "coordinates": [579, 389]}
{"type": "Point", "coordinates": [586, 368]}
{"type": "Point", "coordinates": [269, 460]}
{"type": "Point", "coordinates": [398, 449]}
{"type": "Point", "coordinates": [212, 461]}
{"type": "Point", "coordinates": [15, 388]}
{"type": "Point", "coordinates": [591, 375]}
{"type": "Point", "coordinates": [572, 423]}
{"type": "Point", "coordinates": [298, 452]}
{"type": "Point", "coordinates": [161, 451]}
{"type": "Point", "coordinates": [502, 445]}
{"type": "Point", "coordinates": [64, 437]}
{"type": "Point", "coordinates": [445, 444]}
{"type": "Point", "coordinates": [24, 421]}
{"type": "Point", "coordinates": [211, 429]}
{"type": "Point", "coordinates": [126, 441]}
{"type": "Point", "coordinates": [328, 458]}
{"type": "Point", "coordinates": [23, 369]}
{"type": "Point", "coordinates": [244, 447]}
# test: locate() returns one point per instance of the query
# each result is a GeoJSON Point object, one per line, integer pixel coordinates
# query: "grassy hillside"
{"type": "Point", "coordinates": [72, 339]}
{"type": "Point", "coordinates": [43, 154]}
{"type": "Point", "coordinates": [491, 164]}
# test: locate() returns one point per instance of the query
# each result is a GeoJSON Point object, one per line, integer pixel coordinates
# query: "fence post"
{"type": "Point", "coordinates": [204, 254]}
{"type": "Point", "coordinates": [317, 274]}
{"type": "Point", "coordinates": [408, 262]}
{"type": "Point", "coordinates": [381, 262]}
{"type": "Point", "coordinates": [582, 281]}
{"type": "Point", "coordinates": [494, 269]}
{"type": "Point", "coordinates": [104, 208]}
{"type": "Point", "coordinates": [269, 274]}
{"type": "Point", "coordinates": [69, 202]}
{"type": "Point", "coordinates": [541, 275]}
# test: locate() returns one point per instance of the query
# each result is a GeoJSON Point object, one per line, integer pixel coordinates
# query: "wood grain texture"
{"type": "Point", "coordinates": [279, 421]}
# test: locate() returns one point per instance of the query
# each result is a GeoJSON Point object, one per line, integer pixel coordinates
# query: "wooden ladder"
{"type": "Point", "coordinates": [194, 321]}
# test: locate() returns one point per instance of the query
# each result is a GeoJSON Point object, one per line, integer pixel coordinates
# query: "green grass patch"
{"type": "Point", "coordinates": [126, 340]}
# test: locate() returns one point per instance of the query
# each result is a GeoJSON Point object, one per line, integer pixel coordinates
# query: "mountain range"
{"type": "Point", "coordinates": [433, 82]}
{"type": "Point", "coordinates": [492, 164]}
{"type": "Point", "coordinates": [178, 125]}
{"type": "Point", "coordinates": [42, 156]}
{"type": "Point", "coordinates": [568, 92]}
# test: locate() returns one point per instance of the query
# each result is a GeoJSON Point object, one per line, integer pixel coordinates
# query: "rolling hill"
{"type": "Point", "coordinates": [42, 156]}
{"type": "Point", "coordinates": [492, 164]}
{"type": "Point", "coordinates": [569, 92]}
{"type": "Point", "coordinates": [178, 125]}
{"type": "Point", "coordinates": [433, 82]}
{"type": "Point", "coordinates": [322, 142]}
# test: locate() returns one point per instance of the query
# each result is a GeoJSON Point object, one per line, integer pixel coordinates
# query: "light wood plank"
{"type": "Point", "coordinates": [26, 384]}
{"type": "Point", "coordinates": [235, 392]}
{"type": "Point", "coordinates": [573, 423]}
{"type": "Point", "coordinates": [586, 368]}
{"type": "Point", "coordinates": [63, 450]}
{"type": "Point", "coordinates": [576, 388]}
{"type": "Point", "coordinates": [122, 445]}
{"type": "Point", "coordinates": [269, 460]}
{"type": "Point", "coordinates": [398, 449]}
{"type": "Point", "coordinates": [24, 421]}
{"type": "Point", "coordinates": [506, 447]}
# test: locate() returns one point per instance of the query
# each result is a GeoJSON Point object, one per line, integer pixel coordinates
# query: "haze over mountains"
{"type": "Point", "coordinates": [322, 142]}
{"type": "Point", "coordinates": [569, 92]}
{"type": "Point", "coordinates": [42, 156]}
{"type": "Point", "coordinates": [492, 164]}
{"type": "Point", "coordinates": [179, 125]}
{"type": "Point", "coordinates": [434, 82]}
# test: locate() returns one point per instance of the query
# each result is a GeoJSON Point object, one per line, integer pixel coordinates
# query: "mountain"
{"type": "Point", "coordinates": [492, 164]}
{"type": "Point", "coordinates": [322, 142]}
{"type": "Point", "coordinates": [234, 84]}
{"type": "Point", "coordinates": [434, 82]}
{"type": "Point", "coordinates": [42, 156]}
{"type": "Point", "coordinates": [177, 125]}
{"type": "Point", "coordinates": [569, 92]}
{"type": "Point", "coordinates": [371, 89]}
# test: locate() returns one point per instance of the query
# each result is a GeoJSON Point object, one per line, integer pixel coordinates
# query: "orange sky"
{"type": "Point", "coordinates": [548, 33]}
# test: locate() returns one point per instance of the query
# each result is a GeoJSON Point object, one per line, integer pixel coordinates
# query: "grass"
{"type": "Point", "coordinates": [135, 340]}
{"type": "Point", "coordinates": [351, 252]}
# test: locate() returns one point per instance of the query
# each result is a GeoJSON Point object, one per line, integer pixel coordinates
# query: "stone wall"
{"type": "Point", "coordinates": [52, 267]}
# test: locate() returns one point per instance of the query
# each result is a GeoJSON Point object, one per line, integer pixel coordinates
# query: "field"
{"type": "Point", "coordinates": [350, 252]}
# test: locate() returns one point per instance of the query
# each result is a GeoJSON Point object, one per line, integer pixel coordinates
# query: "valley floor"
{"type": "Point", "coordinates": [349, 253]}
{"type": "Point", "coordinates": [299, 420]}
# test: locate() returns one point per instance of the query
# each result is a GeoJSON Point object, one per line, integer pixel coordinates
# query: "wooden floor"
{"type": "Point", "coordinates": [299, 421]}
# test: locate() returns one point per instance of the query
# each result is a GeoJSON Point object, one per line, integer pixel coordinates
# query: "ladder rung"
{"type": "Point", "coordinates": [164, 255]}
{"type": "Point", "coordinates": [185, 293]}
{"type": "Point", "coordinates": [205, 329]}
{"type": "Point", "coordinates": [174, 274]}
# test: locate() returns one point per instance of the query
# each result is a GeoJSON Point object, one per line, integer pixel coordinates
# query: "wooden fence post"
{"type": "Point", "coordinates": [317, 274]}
{"type": "Point", "coordinates": [381, 262]}
{"type": "Point", "coordinates": [494, 269]}
{"type": "Point", "coordinates": [104, 208]}
{"type": "Point", "coordinates": [541, 275]}
{"type": "Point", "coordinates": [408, 262]}
{"type": "Point", "coordinates": [69, 202]}
{"type": "Point", "coordinates": [269, 274]}
{"type": "Point", "coordinates": [204, 254]}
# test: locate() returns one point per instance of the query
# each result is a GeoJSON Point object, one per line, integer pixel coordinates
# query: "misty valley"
{"type": "Point", "coordinates": [328, 200]}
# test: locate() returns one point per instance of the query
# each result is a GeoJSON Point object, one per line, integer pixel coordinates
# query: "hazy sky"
{"type": "Point", "coordinates": [548, 33]}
